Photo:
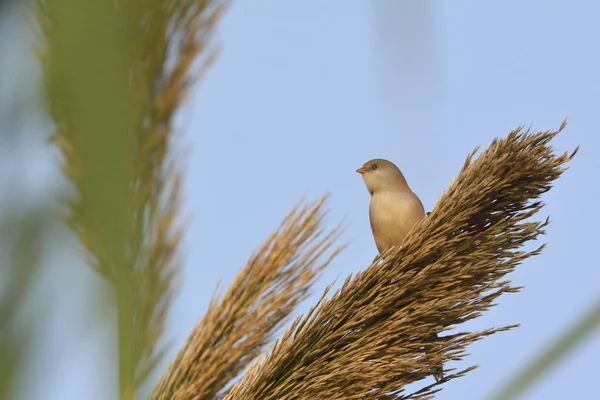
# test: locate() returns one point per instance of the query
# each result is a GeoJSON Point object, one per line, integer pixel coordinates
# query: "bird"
{"type": "Point", "coordinates": [394, 208]}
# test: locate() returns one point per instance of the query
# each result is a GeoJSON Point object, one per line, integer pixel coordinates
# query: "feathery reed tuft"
{"type": "Point", "coordinates": [236, 328]}
{"type": "Point", "coordinates": [377, 334]}
{"type": "Point", "coordinates": [115, 74]}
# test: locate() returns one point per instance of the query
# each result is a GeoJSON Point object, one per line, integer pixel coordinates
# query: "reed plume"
{"type": "Point", "coordinates": [237, 327]}
{"type": "Point", "coordinates": [115, 74]}
{"type": "Point", "coordinates": [376, 334]}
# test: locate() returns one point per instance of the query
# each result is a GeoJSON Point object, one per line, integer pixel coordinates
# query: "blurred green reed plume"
{"type": "Point", "coordinates": [115, 73]}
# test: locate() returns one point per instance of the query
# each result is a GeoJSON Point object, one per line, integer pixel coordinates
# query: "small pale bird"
{"type": "Point", "coordinates": [394, 207]}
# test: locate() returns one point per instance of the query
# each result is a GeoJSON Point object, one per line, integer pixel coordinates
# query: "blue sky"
{"type": "Point", "coordinates": [304, 92]}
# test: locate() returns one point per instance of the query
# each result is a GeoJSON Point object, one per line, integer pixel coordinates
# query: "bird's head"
{"type": "Point", "coordinates": [382, 175]}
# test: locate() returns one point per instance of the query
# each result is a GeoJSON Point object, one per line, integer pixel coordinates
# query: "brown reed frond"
{"type": "Point", "coordinates": [236, 328]}
{"type": "Point", "coordinates": [377, 334]}
{"type": "Point", "coordinates": [115, 74]}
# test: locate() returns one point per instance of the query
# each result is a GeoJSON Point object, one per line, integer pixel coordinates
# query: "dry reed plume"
{"type": "Point", "coordinates": [236, 328]}
{"type": "Point", "coordinates": [376, 334]}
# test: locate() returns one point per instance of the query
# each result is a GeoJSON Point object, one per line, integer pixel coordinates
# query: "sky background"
{"type": "Point", "coordinates": [302, 94]}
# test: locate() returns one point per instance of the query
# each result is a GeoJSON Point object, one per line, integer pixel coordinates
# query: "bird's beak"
{"type": "Point", "coordinates": [361, 170]}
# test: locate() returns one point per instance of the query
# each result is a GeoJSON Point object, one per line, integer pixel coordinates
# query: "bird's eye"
{"type": "Point", "coordinates": [374, 167]}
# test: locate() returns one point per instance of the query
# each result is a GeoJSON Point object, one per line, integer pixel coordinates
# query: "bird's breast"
{"type": "Point", "coordinates": [392, 215]}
